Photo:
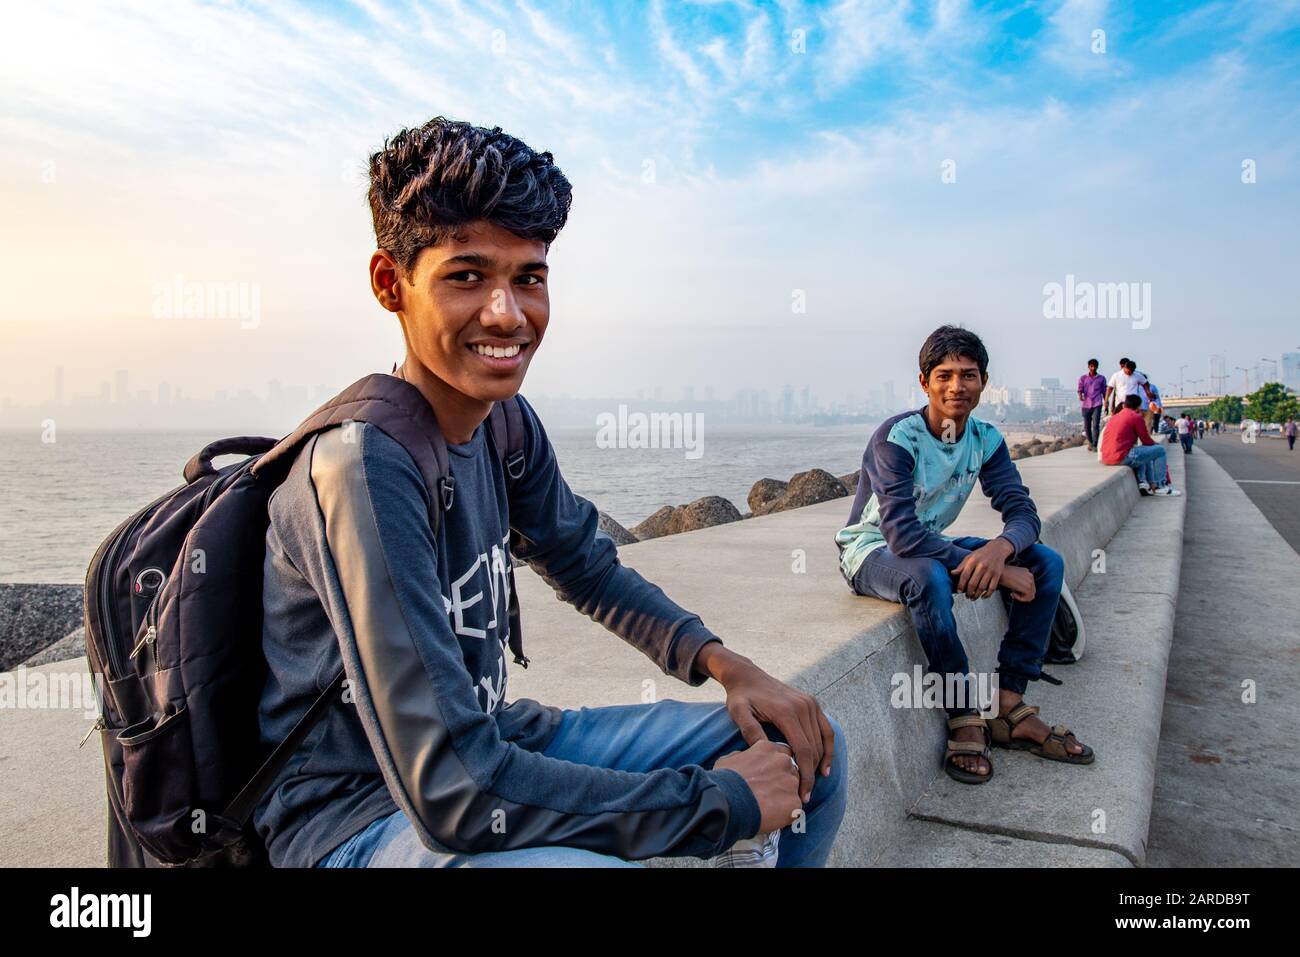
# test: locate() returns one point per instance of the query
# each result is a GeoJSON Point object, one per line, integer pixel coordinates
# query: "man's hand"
{"type": "Point", "coordinates": [754, 696]}
{"type": "Point", "coordinates": [1020, 582]}
{"type": "Point", "coordinates": [980, 572]}
{"type": "Point", "coordinates": [767, 770]}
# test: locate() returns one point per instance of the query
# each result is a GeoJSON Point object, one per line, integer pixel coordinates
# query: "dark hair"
{"type": "Point", "coordinates": [1093, 362]}
{"type": "Point", "coordinates": [1129, 364]}
{"type": "Point", "coordinates": [1133, 400]}
{"type": "Point", "coordinates": [1123, 361]}
{"type": "Point", "coordinates": [428, 181]}
{"type": "Point", "coordinates": [956, 342]}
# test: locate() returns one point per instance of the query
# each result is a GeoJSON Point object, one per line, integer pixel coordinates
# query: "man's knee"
{"type": "Point", "coordinates": [930, 582]}
{"type": "Point", "coordinates": [1048, 567]}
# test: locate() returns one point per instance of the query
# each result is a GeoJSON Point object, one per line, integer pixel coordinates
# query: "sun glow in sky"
{"type": "Point", "coordinates": [727, 159]}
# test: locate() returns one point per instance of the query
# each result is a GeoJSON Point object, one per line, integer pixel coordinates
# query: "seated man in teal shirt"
{"type": "Point", "coordinates": [917, 472]}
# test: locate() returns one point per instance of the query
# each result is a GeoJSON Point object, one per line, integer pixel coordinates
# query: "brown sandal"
{"type": "Point", "coordinates": [956, 747]}
{"type": "Point", "coordinates": [1052, 749]}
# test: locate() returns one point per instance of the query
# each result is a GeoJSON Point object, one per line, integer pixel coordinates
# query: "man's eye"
{"type": "Point", "coordinates": [468, 275]}
{"type": "Point", "coordinates": [531, 279]}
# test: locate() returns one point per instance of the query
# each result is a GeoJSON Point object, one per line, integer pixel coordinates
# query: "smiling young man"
{"type": "Point", "coordinates": [428, 765]}
{"type": "Point", "coordinates": [920, 468]}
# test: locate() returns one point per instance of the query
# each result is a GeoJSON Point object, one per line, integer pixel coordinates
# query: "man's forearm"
{"type": "Point", "coordinates": [718, 662]}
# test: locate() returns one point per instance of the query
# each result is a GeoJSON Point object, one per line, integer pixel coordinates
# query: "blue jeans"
{"type": "Point", "coordinates": [638, 738]}
{"type": "Point", "coordinates": [1092, 424]}
{"type": "Point", "coordinates": [925, 587]}
{"type": "Point", "coordinates": [1186, 439]}
{"type": "Point", "coordinates": [1149, 462]}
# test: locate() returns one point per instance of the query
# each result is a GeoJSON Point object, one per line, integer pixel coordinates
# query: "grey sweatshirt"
{"type": "Point", "coordinates": [355, 575]}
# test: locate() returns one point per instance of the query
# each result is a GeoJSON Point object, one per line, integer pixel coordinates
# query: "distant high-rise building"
{"type": "Point", "coordinates": [1291, 370]}
{"type": "Point", "coordinates": [105, 393]}
{"type": "Point", "coordinates": [120, 395]}
{"type": "Point", "coordinates": [891, 404]}
{"type": "Point", "coordinates": [1218, 374]}
{"type": "Point", "coordinates": [1051, 401]}
{"type": "Point", "coordinates": [1050, 383]}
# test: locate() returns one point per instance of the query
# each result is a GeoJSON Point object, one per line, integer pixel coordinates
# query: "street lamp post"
{"type": "Point", "coordinates": [1181, 370]}
{"type": "Point", "coordinates": [1246, 371]}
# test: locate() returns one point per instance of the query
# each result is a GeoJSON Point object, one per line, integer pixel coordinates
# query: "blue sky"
{"type": "Point", "coordinates": [724, 156]}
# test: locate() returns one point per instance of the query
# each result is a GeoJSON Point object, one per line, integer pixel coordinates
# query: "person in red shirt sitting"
{"type": "Point", "coordinates": [1126, 441]}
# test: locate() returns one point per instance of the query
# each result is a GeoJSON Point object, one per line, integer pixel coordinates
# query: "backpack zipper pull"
{"type": "Point", "coordinates": [99, 725]}
{"type": "Point", "coordinates": [150, 634]}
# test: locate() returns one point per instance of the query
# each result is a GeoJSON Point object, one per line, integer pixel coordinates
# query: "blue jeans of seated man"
{"type": "Point", "coordinates": [647, 737]}
{"type": "Point", "coordinates": [1149, 462]}
{"type": "Point", "coordinates": [925, 587]}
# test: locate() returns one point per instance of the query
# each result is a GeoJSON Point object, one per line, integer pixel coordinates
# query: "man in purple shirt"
{"type": "Point", "coordinates": [1092, 390]}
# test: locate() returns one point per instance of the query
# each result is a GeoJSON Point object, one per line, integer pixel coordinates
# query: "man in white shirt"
{"type": "Point", "coordinates": [1127, 381]}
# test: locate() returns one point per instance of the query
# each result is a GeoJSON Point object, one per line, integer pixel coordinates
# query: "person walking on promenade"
{"type": "Point", "coordinates": [1156, 406]}
{"type": "Point", "coordinates": [1127, 381]}
{"type": "Point", "coordinates": [1289, 430]}
{"type": "Point", "coordinates": [1092, 393]}
{"type": "Point", "coordinates": [1186, 432]}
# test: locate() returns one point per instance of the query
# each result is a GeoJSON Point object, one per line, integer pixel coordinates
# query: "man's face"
{"type": "Point", "coordinates": [954, 387]}
{"type": "Point", "coordinates": [1092, 368]}
{"type": "Point", "coordinates": [475, 309]}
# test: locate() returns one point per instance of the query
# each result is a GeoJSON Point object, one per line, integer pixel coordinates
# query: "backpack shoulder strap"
{"type": "Point", "coordinates": [506, 422]}
{"type": "Point", "coordinates": [397, 408]}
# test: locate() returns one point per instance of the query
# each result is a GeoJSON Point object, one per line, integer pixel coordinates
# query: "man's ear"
{"type": "Point", "coordinates": [921, 378]}
{"type": "Point", "coordinates": [385, 280]}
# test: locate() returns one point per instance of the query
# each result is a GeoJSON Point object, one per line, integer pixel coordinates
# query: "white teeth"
{"type": "Point", "coordinates": [497, 352]}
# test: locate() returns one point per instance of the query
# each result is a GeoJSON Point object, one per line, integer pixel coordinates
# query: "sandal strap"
{"type": "Point", "coordinates": [965, 721]}
{"type": "Point", "coordinates": [1054, 745]}
{"type": "Point", "coordinates": [970, 747]}
{"type": "Point", "coordinates": [1020, 712]}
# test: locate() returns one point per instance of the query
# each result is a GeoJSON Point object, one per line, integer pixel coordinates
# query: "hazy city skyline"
{"type": "Point", "coordinates": [759, 196]}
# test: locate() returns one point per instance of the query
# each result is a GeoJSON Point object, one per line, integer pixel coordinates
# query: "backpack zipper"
{"type": "Point", "coordinates": [99, 725]}
{"type": "Point", "coordinates": [151, 630]}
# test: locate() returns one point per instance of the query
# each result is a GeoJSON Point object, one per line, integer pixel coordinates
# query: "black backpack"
{"type": "Point", "coordinates": [173, 610]}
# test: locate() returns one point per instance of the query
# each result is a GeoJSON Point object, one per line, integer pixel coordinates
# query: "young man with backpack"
{"type": "Point", "coordinates": [301, 657]}
{"type": "Point", "coordinates": [918, 470]}
{"type": "Point", "coordinates": [425, 762]}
